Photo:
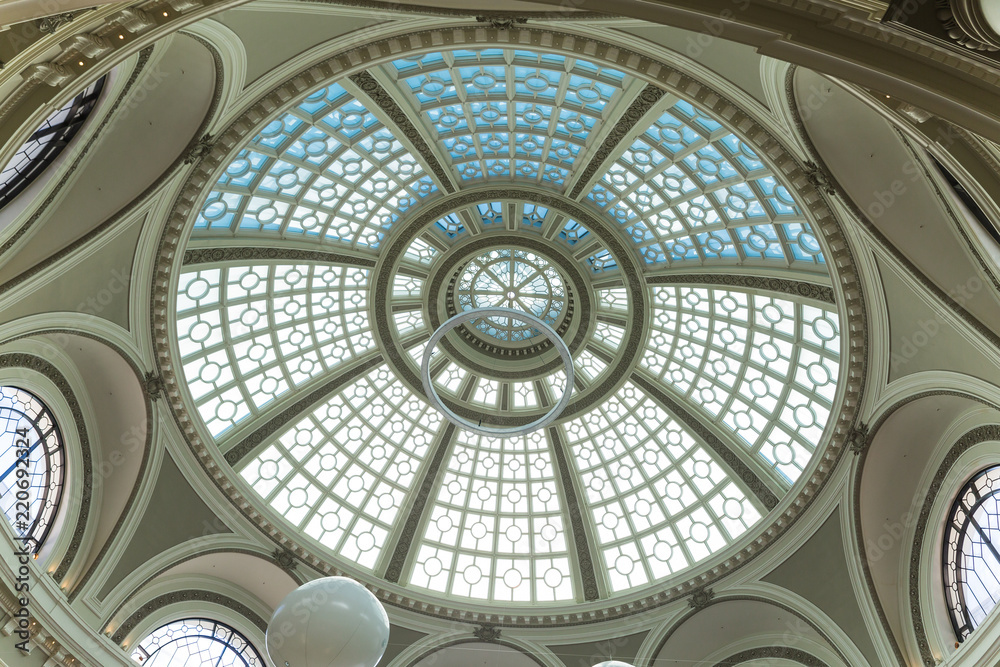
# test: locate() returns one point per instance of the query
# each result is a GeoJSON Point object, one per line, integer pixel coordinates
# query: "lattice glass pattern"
{"type": "Point", "coordinates": [32, 466]}
{"type": "Point", "coordinates": [250, 333]}
{"type": "Point", "coordinates": [972, 552]}
{"type": "Point", "coordinates": [327, 170]}
{"type": "Point", "coordinates": [196, 642]}
{"type": "Point", "coordinates": [659, 500]}
{"type": "Point", "coordinates": [511, 278]}
{"type": "Point", "coordinates": [496, 528]}
{"type": "Point", "coordinates": [511, 113]}
{"type": "Point", "coordinates": [764, 367]}
{"type": "Point", "coordinates": [688, 190]}
{"type": "Point", "coordinates": [341, 474]}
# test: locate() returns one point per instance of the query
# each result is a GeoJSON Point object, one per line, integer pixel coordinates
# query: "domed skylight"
{"type": "Point", "coordinates": [336, 240]}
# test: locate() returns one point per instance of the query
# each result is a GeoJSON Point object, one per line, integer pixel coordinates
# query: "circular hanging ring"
{"type": "Point", "coordinates": [477, 313]}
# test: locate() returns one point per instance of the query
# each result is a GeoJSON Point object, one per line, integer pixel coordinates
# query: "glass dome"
{"type": "Point", "coordinates": [683, 272]}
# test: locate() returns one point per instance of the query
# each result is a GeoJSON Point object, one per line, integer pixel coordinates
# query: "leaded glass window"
{"type": "Point", "coordinates": [761, 366]}
{"type": "Point", "coordinates": [327, 170]}
{"type": "Point", "coordinates": [47, 142]}
{"type": "Point", "coordinates": [32, 465]}
{"type": "Point", "coordinates": [972, 552]}
{"type": "Point", "coordinates": [687, 190]}
{"type": "Point", "coordinates": [511, 113]}
{"type": "Point", "coordinates": [196, 642]}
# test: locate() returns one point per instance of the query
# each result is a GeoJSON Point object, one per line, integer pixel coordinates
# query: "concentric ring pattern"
{"type": "Point", "coordinates": [669, 262]}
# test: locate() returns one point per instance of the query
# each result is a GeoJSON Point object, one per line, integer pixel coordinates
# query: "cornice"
{"type": "Point", "coordinates": [846, 287]}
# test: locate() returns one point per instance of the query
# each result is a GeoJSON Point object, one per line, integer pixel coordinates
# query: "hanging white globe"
{"type": "Point", "coordinates": [613, 663]}
{"type": "Point", "coordinates": [330, 622]}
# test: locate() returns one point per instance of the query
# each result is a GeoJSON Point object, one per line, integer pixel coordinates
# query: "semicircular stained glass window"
{"type": "Point", "coordinates": [196, 642]}
{"type": "Point", "coordinates": [972, 552]}
{"type": "Point", "coordinates": [32, 465]}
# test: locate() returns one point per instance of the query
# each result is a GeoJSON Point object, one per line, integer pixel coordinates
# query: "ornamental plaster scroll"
{"type": "Point", "coordinates": [265, 254]}
{"type": "Point", "coordinates": [846, 287]}
{"type": "Point", "coordinates": [47, 369]}
{"type": "Point", "coordinates": [190, 595]}
{"type": "Point", "coordinates": [644, 101]}
{"type": "Point", "coordinates": [380, 96]}
{"type": "Point", "coordinates": [581, 540]}
{"type": "Point", "coordinates": [291, 413]}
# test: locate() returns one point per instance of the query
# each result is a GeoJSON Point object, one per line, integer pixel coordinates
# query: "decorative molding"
{"type": "Point", "coordinates": [153, 386]}
{"type": "Point", "coordinates": [701, 598]}
{"type": "Point", "coordinates": [284, 559]}
{"type": "Point", "coordinates": [644, 101]}
{"type": "Point", "coordinates": [380, 96]}
{"type": "Point", "coordinates": [487, 633]}
{"type": "Point", "coordinates": [858, 439]}
{"type": "Point", "coordinates": [762, 283]}
{"type": "Point", "coordinates": [768, 653]}
{"type": "Point", "coordinates": [50, 24]}
{"type": "Point", "coordinates": [293, 411]}
{"type": "Point", "coordinates": [202, 148]}
{"type": "Point", "coordinates": [818, 177]}
{"type": "Point", "coordinates": [293, 573]}
{"type": "Point", "coordinates": [44, 367]}
{"type": "Point", "coordinates": [839, 257]}
{"type": "Point", "coordinates": [502, 23]}
{"type": "Point", "coordinates": [966, 25]}
{"type": "Point", "coordinates": [43, 207]}
{"type": "Point", "coordinates": [413, 518]}
{"type": "Point", "coordinates": [588, 576]}
{"type": "Point", "coordinates": [264, 254]}
{"type": "Point", "coordinates": [191, 595]}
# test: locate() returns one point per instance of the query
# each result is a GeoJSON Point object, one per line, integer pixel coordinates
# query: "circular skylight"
{"type": "Point", "coordinates": [678, 266]}
{"type": "Point", "coordinates": [511, 278]}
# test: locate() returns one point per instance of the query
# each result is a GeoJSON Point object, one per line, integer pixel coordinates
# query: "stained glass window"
{"type": "Point", "coordinates": [763, 367]}
{"type": "Point", "coordinates": [342, 473]}
{"type": "Point", "coordinates": [972, 552]}
{"type": "Point", "coordinates": [511, 113]}
{"type": "Point", "coordinates": [32, 465]}
{"type": "Point", "coordinates": [658, 499]}
{"type": "Point", "coordinates": [327, 170]}
{"type": "Point", "coordinates": [196, 642]}
{"type": "Point", "coordinates": [47, 142]}
{"type": "Point", "coordinates": [687, 190]}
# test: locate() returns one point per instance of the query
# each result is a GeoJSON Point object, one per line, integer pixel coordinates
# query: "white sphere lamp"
{"type": "Point", "coordinates": [330, 622]}
{"type": "Point", "coordinates": [613, 663]}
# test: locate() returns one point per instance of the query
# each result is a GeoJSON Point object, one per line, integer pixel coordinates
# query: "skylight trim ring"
{"type": "Point", "coordinates": [456, 321]}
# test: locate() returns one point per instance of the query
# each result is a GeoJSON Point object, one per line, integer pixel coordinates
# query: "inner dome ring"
{"type": "Point", "coordinates": [509, 313]}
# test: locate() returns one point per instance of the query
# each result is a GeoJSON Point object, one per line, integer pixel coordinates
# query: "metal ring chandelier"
{"type": "Point", "coordinates": [491, 431]}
